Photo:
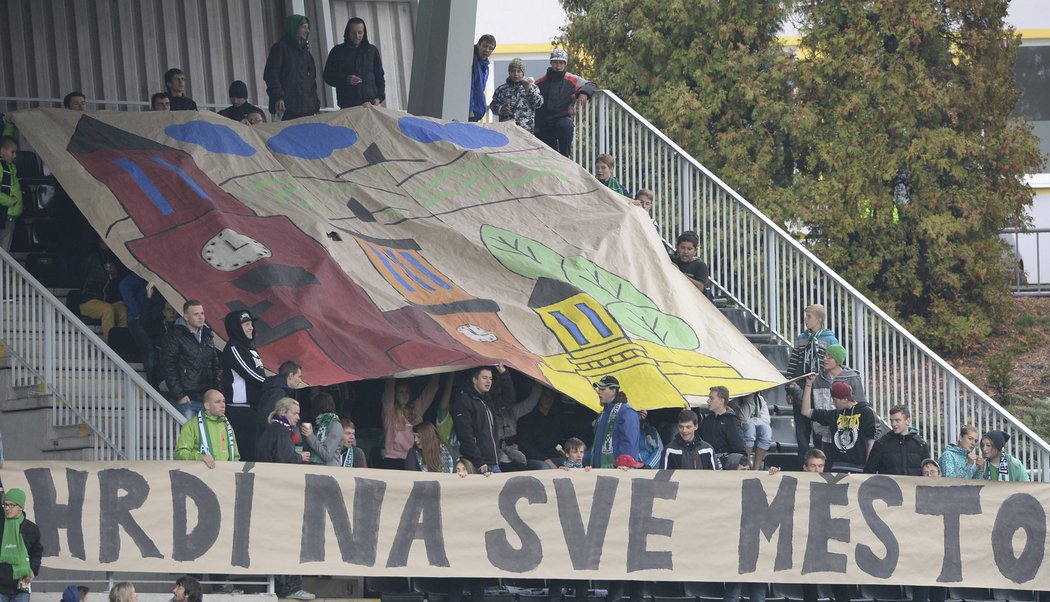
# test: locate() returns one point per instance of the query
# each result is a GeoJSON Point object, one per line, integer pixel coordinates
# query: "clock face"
{"type": "Point", "coordinates": [228, 251]}
{"type": "Point", "coordinates": [477, 333]}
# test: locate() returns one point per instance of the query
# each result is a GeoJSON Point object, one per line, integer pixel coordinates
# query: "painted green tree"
{"type": "Point", "coordinates": [908, 162]}
{"type": "Point", "coordinates": [713, 75]}
{"type": "Point", "coordinates": [889, 140]}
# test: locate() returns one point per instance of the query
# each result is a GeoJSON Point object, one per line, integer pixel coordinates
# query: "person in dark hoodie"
{"type": "Point", "coordinates": [355, 68]}
{"type": "Point", "coordinates": [721, 429]}
{"type": "Point", "coordinates": [243, 375]}
{"type": "Point", "coordinates": [854, 427]}
{"type": "Point", "coordinates": [560, 90]}
{"type": "Point", "coordinates": [687, 450]}
{"type": "Point", "coordinates": [900, 451]}
{"type": "Point", "coordinates": [75, 593]}
{"type": "Point", "coordinates": [290, 72]}
{"type": "Point", "coordinates": [283, 384]}
{"type": "Point", "coordinates": [240, 108]}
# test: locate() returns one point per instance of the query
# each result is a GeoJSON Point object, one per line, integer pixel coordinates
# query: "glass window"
{"type": "Point", "coordinates": [1032, 74]}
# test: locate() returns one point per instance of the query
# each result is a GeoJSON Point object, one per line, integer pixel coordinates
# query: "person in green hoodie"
{"type": "Point", "coordinates": [20, 549]}
{"type": "Point", "coordinates": [290, 72]}
{"type": "Point", "coordinates": [1001, 466]}
{"type": "Point", "coordinates": [10, 192]}
{"type": "Point", "coordinates": [209, 437]}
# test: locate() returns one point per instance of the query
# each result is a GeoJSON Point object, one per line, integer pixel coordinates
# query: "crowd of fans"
{"type": "Point", "coordinates": [489, 419]}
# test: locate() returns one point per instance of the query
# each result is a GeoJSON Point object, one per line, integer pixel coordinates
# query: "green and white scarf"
{"type": "Point", "coordinates": [13, 548]}
{"type": "Point", "coordinates": [447, 465]}
{"type": "Point", "coordinates": [324, 422]}
{"type": "Point", "coordinates": [206, 445]}
{"type": "Point", "coordinates": [608, 458]}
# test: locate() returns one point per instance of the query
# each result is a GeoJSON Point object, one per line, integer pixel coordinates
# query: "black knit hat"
{"type": "Point", "coordinates": [238, 89]}
{"type": "Point", "coordinates": [998, 438]}
{"type": "Point", "coordinates": [607, 382]}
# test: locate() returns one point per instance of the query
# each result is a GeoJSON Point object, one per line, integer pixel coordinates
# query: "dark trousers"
{"type": "Point", "coordinates": [288, 115]}
{"type": "Point", "coordinates": [558, 135]}
{"type": "Point", "coordinates": [245, 425]}
{"type": "Point", "coordinates": [287, 584]}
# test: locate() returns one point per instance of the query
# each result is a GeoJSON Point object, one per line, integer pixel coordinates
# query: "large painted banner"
{"type": "Point", "coordinates": [601, 524]}
{"type": "Point", "coordinates": [372, 243]}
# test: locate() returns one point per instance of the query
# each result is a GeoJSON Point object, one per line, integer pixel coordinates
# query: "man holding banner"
{"type": "Point", "coordinates": [210, 436]}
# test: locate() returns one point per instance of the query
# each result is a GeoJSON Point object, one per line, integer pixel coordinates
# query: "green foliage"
{"type": "Point", "coordinates": [1000, 377]}
{"type": "Point", "coordinates": [890, 138]}
{"type": "Point", "coordinates": [1038, 418]}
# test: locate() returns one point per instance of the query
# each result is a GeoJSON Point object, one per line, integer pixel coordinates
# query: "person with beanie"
{"type": "Point", "coordinates": [355, 68]}
{"type": "Point", "coordinates": [999, 465]}
{"type": "Point", "coordinates": [290, 73]}
{"type": "Point", "coordinates": [240, 108]}
{"type": "Point", "coordinates": [617, 429]}
{"type": "Point", "coordinates": [833, 370]}
{"type": "Point", "coordinates": [479, 76]}
{"type": "Point", "coordinates": [561, 91]}
{"type": "Point", "coordinates": [851, 442]}
{"type": "Point", "coordinates": [243, 376]}
{"type": "Point", "coordinates": [518, 98]}
{"type": "Point", "coordinates": [20, 549]}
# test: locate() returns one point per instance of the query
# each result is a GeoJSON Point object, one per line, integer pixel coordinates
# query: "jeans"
{"type": "Point", "coordinates": [756, 591]}
{"type": "Point", "coordinates": [190, 409]}
{"type": "Point", "coordinates": [16, 597]}
{"type": "Point", "coordinates": [558, 135]}
{"type": "Point", "coordinates": [762, 433]}
{"type": "Point", "coordinates": [287, 584]}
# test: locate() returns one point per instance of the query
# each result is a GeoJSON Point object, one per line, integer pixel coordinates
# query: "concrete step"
{"type": "Point", "coordinates": [761, 338]}
{"type": "Point", "coordinates": [27, 402]}
{"type": "Point", "coordinates": [777, 354]}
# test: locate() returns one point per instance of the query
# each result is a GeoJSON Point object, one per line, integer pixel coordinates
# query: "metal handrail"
{"type": "Point", "coordinates": [89, 383]}
{"type": "Point", "coordinates": [773, 276]}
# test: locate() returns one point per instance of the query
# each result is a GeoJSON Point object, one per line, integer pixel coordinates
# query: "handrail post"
{"type": "Point", "coordinates": [771, 272]}
{"type": "Point", "coordinates": [50, 351]}
{"type": "Point", "coordinates": [131, 421]}
{"type": "Point", "coordinates": [600, 123]}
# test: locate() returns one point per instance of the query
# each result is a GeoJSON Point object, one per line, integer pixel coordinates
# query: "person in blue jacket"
{"type": "Point", "coordinates": [617, 429]}
{"type": "Point", "coordinates": [479, 76]}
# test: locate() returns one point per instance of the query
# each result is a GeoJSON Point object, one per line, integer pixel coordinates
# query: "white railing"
{"type": "Point", "coordinates": [769, 273]}
{"type": "Point", "coordinates": [90, 384]}
{"type": "Point", "coordinates": [1029, 279]}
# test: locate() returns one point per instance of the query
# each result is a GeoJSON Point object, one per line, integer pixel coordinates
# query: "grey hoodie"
{"type": "Point", "coordinates": [822, 394]}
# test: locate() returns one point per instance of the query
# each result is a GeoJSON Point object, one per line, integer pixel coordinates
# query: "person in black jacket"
{"type": "Point", "coordinates": [290, 72]}
{"type": "Point", "coordinates": [687, 450]}
{"type": "Point", "coordinates": [190, 360]}
{"type": "Point", "coordinates": [242, 378]}
{"type": "Point", "coordinates": [283, 384]}
{"type": "Point", "coordinates": [175, 82]}
{"type": "Point", "coordinates": [541, 431]}
{"type": "Point", "coordinates": [560, 90]}
{"type": "Point", "coordinates": [900, 451]}
{"type": "Point", "coordinates": [15, 576]}
{"type": "Point", "coordinates": [355, 69]}
{"type": "Point", "coordinates": [278, 444]}
{"type": "Point", "coordinates": [240, 109]}
{"type": "Point", "coordinates": [721, 429]}
{"type": "Point", "coordinates": [473, 419]}
{"type": "Point", "coordinates": [100, 293]}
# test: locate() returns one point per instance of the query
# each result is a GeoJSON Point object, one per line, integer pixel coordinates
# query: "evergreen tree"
{"type": "Point", "coordinates": [908, 160]}
{"type": "Point", "coordinates": [711, 74]}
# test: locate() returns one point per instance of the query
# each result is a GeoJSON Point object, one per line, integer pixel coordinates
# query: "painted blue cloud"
{"type": "Point", "coordinates": [212, 136]}
{"type": "Point", "coordinates": [312, 140]}
{"type": "Point", "coordinates": [466, 135]}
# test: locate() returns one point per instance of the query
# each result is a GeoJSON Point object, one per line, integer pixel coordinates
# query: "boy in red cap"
{"type": "Point", "coordinates": [853, 423]}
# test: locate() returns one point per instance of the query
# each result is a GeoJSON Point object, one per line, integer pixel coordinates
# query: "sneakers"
{"type": "Point", "coordinates": [301, 595]}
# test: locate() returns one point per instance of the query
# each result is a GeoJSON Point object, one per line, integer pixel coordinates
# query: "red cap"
{"type": "Point", "coordinates": [842, 391]}
{"type": "Point", "coordinates": [625, 460]}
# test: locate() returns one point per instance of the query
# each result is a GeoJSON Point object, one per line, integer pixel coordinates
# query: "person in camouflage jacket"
{"type": "Point", "coordinates": [518, 99]}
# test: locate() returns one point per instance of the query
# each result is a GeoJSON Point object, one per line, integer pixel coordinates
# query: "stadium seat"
{"type": "Point", "coordinates": [705, 591]}
{"type": "Point", "coordinates": [969, 594]}
{"type": "Point", "coordinates": [389, 585]}
{"type": "Point", "coordinates": [884, 593]}
{"type": "Point", "coordinates": [784, 433]}
{"type": "Point", "coordinates": [1014, 595]}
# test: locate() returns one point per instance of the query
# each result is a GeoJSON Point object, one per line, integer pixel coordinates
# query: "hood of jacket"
{"type": "Point", "coordinates": [346, 33]}
{"type": "Point", "coordinates": [277, 382]}
{"type": "Point", "coordinates": [233, 327]}
{"type": "Point", "coordinates": [555, 75]}
{"type": "Point", "coordinates": [291, 29]}
{"type": "Point", "coordinates": [955, 450]}
{"type": "Point", "coordinates": [697, 442]}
